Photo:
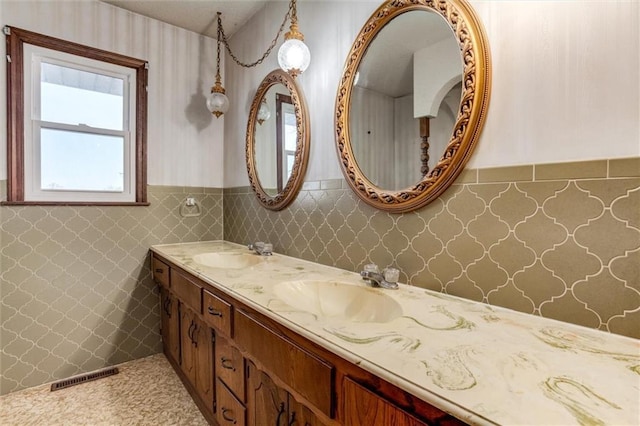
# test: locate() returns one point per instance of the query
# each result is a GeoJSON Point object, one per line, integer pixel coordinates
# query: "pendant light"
{"type": "Point", "coordinates": [217, 102]}
{"type": "Point", "coordinates": [293, 57]}
{"type": "Point", "coordinates": [263, 112]}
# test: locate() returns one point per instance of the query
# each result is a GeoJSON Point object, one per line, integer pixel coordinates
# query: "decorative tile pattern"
{"type": "Point", "coordinates": [563, 249]}
{"type": "Point", "coordinates": [76, 290]}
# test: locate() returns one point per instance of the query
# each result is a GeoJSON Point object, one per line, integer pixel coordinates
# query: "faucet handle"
{"type": "Point", "coordinates": [371, 267]}
{"type": "Point", "coordinates": [267, 249]}
{"type": "Point", "coordinates": [391, 275]}
{"type": "Point", "coordinates": [258, 245]}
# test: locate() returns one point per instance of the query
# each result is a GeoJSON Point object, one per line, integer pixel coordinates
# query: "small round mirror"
{"type": "Point", "coordinates": [277, 147]}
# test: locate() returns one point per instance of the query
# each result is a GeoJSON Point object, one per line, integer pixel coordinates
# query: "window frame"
{"type": "Point", "coordinates": [16, 38]}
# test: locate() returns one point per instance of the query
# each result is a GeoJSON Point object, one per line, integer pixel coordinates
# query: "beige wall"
{"type": "Point", "coordinates": [74, 281]}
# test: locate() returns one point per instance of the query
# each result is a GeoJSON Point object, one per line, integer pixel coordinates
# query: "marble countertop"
{"type": "Point", "coordinates": [481, 363]}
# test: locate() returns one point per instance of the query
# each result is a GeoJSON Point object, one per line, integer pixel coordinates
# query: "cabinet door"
{"type": "Point", "coordinates": [363, 407]}
{"type": "Point", "coordinates": [170, 324]}
{"type": "Point", "coordinates": [266, 402]}
{"type": "Point", "coordinates": [299, 415]}
{"type": "Point", "coordinates": [203, 347]}
{"type": "Point", "coordinates": [187, 326]}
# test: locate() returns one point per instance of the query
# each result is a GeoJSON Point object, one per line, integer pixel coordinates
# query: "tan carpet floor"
{"type": "Point", "coordinates": [145, 392]}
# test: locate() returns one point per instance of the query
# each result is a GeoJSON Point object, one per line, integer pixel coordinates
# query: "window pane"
{"type": "Point", "coordinates": [290, 133]}
{"type": "Point", "coordinates": [290, 161]}
{"type": "Point", "coordinates": [72, 96]}
{"type": "Point", "coordinates": [75, 161]}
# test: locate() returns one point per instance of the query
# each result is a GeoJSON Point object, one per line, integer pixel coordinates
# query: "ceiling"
{"type": "Point", "coordinates": [195, 15]}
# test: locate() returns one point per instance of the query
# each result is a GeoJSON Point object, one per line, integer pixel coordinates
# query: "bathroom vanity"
{"type": "Point", "coordinates": [277, 340]}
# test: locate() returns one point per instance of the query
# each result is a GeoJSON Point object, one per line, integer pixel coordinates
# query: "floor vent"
{"type": "Point", "coordinates": [83, 378]}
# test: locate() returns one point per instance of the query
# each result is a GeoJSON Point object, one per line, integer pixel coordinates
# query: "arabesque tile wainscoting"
{"type": "Point", "coordinates": [77, 294]}
{"type": "Point", "coordinates": [557, 240]}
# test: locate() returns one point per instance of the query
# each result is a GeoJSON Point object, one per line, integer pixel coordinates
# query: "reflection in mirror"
{"type": "Point", "coordinates": [404, 103]}
{"type": "Point", "coordinates": [277, 141]}
{"type": "Point", "coordinates": [412, 101]}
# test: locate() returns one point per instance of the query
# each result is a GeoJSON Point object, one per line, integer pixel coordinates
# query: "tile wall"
{"type": "Point", "coordinates": [557, 240]}
{"type": "Point", "coordinates": [75, 284]}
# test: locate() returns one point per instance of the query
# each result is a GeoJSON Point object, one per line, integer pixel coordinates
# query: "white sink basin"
{"type": "Point", "coordinates": [227, 260]}
{"type": "Point", "coordinates": [332, 299]}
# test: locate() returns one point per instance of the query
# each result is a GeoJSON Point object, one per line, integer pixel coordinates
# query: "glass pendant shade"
{"type": "Point", "coordinates": [294, 56]}
{"type": "Point", "coordinates": [263, 113]}
{"type": "Point", "coordinates": [218, 103]}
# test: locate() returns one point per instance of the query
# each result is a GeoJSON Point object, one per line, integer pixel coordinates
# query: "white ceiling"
{"type": "Point", "coordinates": [195, 15]}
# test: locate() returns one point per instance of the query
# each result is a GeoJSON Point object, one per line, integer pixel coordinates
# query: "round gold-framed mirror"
{"type": "Point", "coordinates": [277, 142]}
{"type": "Point", "coordinates": [441, 50]}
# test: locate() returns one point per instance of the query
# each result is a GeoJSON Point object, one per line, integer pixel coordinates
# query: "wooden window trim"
{"type": "Point", "coordinates": [15, 40]}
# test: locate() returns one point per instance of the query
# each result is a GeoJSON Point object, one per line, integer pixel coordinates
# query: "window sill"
{"type": "Point", "coordinates": [74, 203]}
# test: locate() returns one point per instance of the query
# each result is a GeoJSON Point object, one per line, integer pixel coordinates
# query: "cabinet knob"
{"type": "Point", "coordinates": [214, 312]}
{"type": "Point", "coordinates": [227, 417]}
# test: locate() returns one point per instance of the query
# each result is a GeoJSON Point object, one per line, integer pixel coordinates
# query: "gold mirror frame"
{"type": "Point", "coordinates": [476, 84]}
{"type": "Point", "coordinates": [290, 191]}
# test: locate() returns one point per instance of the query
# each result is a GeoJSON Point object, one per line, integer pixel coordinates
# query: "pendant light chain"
{"type": "Point", "coordinates": [223, 36]}
{"type": "Point", "coordinates": [218, 77]}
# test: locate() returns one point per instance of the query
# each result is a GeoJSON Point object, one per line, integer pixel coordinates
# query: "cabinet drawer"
{"type": "Point", "coordinates": [229, 410]}
{"type": "Point", "coordinates": [217, 313]}
{"type": "Point", "coordinates": [361, 406]}
{"type": "Point", "coordinates": [187, 290]}
{"type": "Point", "coordinates": [230, 366]}
{"type": "Point", "coordinates": [299, 369]}
{"type": "Point", "coordinates": [160, 272]}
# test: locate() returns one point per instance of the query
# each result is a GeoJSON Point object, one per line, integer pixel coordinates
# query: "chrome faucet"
{"type": "Point", "coordinates": [263, 249]}
{"type": "Point", "coordinates": [388, 278]}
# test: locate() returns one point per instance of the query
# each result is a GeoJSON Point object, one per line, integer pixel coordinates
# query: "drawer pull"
{"type": "Point", "coordinates": [159, 271]}
{"type": "Point", "coordinates": [280, 413]}
{"type": "Point", "coordinates": [227, 363]}
{"type": "Point", "coordinates": [167, 307]}
{"type": "Point", "coordinates": [194, 335]}
{"type": "Point", "coordinates": [214, 312]}
{"type": "Point", "coordinates": [227, 417]}
{"type": "Point", "coordinates": [191, 328]}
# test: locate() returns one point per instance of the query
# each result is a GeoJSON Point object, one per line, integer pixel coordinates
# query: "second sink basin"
{"type": "Point", "coordinates": [228, 260]}
{"type": "Point", "coordinates": [332, 299]}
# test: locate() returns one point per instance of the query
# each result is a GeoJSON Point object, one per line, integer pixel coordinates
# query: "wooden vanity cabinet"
{"type": "Point", "coordinates": [363, 407]}
{"type": "Point", "coordinates": [160, 272]}
{"type": "Point", "coordinates": [197, 348]}
{"type": "Point", "coordinates": [297, 368]}
{"type": "Point", "coordinates": [197, 355]}
{"type": "Point", "coordinates": [229, 409]}
{"type": "Point", "coordinates": [170, 324]}
{"type": "Point", "coordinates": [244, 368]}
{"type": "Point", "coordinates": [269, 404]}
{"type": "Point", "coordinates": [230, 367]}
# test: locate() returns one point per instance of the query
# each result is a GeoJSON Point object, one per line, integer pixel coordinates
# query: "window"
{"type": "Point", "coordinates": [286, 138]}
{"type": "Point", "coordinates": [76, 123]}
